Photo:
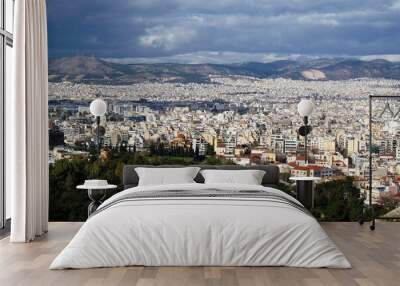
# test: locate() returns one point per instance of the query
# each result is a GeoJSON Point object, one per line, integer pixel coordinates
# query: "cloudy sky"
{"type": "Point", "coordinates": [223, 30]}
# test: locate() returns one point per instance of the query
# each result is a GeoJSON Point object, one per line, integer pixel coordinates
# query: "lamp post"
{"type": "Point", "coordinates": [305, 108]}
{"type": "Point", "coordinates": [98, 108]}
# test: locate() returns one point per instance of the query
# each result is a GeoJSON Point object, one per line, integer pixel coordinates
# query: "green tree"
{"type": "Point", "coordinates": [69, 204]}
{"type": "Point", "coordinates": [338, 200]}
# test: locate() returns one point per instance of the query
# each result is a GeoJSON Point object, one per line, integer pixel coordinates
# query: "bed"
{"type": "Point", "coordinates": [197, 224]}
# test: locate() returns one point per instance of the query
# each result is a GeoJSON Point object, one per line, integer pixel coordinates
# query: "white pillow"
{"type": "Point", "coordinates": [166, 176]}
{"type": "Point", "coordinates": [248, 177]}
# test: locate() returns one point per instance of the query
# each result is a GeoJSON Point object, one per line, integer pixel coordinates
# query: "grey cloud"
{"type": "Point", "coordinates": [168, 38]}
{"type": "Point", "coordinates": [164, 28]}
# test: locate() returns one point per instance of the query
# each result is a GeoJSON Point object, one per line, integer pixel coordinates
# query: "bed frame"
{"type": "Point", "coordinates": [270, 179]}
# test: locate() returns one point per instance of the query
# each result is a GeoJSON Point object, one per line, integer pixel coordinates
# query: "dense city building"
{"type": "Point", "coordinates": [243, 119]}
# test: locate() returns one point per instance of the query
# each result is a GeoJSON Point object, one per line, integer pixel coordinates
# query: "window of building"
{"type": "Point", "coordinates": [6, 62]}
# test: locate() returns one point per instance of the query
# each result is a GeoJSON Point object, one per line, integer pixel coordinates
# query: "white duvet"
{"type": "Point", "coordinates": [202, 232]}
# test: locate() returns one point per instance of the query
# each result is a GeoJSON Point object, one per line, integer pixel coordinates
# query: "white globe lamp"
{"type": "Point", "coordinates": [305, 107]}
{"type": "Point", "coordinates": [98, 107]}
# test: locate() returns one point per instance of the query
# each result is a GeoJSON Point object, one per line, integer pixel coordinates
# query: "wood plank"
{"type": "Point", "coordinates": [375, 257]}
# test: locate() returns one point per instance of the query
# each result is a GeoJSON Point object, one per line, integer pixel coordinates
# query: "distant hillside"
{"type": "Point", "coordinates": [94, 70]}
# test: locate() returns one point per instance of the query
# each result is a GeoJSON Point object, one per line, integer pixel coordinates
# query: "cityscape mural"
{"type": "Point", "coordinates": [187, 84]}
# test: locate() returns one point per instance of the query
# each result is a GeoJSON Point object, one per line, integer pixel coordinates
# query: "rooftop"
{"type": "Point", "coordinates": [305, 168]}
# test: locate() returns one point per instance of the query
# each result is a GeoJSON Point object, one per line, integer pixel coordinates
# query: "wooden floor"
{"type": "Point", "coordinates": [375, 257]}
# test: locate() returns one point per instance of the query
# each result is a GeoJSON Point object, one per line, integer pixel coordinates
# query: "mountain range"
{"type": "Point", "coordinates": [81, 69]}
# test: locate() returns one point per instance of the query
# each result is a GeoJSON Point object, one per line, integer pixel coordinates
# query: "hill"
{"type": "Point", "coordinates": [93, 70]}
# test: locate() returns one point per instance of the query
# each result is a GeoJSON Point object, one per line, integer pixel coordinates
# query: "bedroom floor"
{"type": "Point", "coordinates": [375, 257]}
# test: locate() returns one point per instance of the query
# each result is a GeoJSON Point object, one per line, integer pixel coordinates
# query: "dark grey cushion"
{"type": "Point", "coordinates": [271, 177]}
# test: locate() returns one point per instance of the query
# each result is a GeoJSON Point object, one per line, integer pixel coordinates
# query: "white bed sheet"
{"type": "Point", "coordinates": [200, 232]}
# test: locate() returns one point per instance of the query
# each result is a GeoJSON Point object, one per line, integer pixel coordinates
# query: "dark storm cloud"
{"type": "Point", "coordinates": [157, 28]}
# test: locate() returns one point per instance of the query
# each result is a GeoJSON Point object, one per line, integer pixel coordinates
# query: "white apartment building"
{"type": "Point", "coordinates": [290, 146]}
{"type": "Point", "coordinates": [200, 144]}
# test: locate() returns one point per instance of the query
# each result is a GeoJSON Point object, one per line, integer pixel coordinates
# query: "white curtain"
{"type": "Point", "coordinates": [27, 124]}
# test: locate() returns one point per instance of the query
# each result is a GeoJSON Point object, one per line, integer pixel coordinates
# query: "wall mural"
{"type": "Point", "coordinates": [189, 86]}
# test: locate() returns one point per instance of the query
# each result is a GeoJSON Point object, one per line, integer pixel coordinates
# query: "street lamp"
{"type": "Point", "coordinates": [305, 108]}
{"type": "Point", "coordinates": [98, 108]}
